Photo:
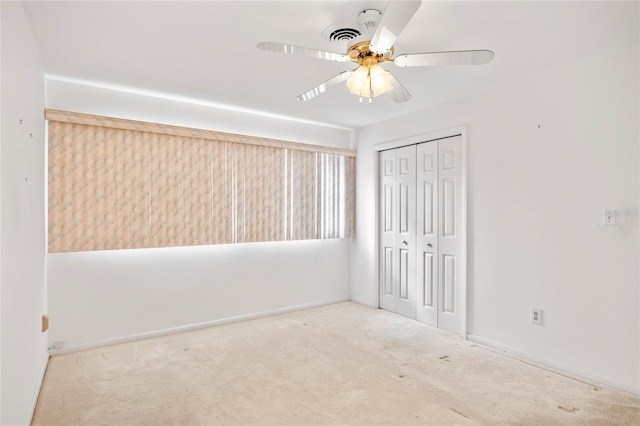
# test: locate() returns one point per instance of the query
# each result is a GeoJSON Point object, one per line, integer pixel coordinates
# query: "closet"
{"type": "Point", "coordinates": [422, 232]}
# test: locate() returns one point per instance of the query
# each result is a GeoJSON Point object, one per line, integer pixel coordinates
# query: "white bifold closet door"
{"type": "Point", "coordinates": [398, 230]}
{"type": "Point", "coordinates": [427, 233]}
{"type": "Point", "coordinates": [421, 259]}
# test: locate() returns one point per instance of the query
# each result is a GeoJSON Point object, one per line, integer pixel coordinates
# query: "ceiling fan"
{"type": "Point", "coordinates": [369, 79]}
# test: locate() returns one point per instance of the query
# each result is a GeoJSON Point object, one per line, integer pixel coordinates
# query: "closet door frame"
{"type": "Point", "coordinates": [412, 140]}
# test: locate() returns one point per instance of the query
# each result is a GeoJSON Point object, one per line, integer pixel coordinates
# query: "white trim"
{"type": "Point", "coordinates": [412, 140]}
{"type": "Point", "coordinates": [375, 296]}
{"type": "Point", "coordinates": [190, 327]}
{"type": "Point", "coordinates": [565, 370]}
{"type": "Point", "coordinates": [363, 302]}
{"type": "Point", "coordinates": [422, 137]}
{"type": "Point", "coordinates": [36, 394]}
{"type": "Point", "coordinates": [465, 235]}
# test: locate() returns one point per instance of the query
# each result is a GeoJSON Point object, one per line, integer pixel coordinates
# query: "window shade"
{"type": "Point", "coordinates": [116, 184]}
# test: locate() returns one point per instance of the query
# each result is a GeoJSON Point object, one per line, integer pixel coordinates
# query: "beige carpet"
{"type": "Point", "coordinates": [338, 364]}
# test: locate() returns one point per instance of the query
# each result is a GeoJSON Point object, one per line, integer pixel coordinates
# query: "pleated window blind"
{"type": "Point", "coordinates": [121, 184]}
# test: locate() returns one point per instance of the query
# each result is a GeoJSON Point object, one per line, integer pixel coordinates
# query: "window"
{"type": "Point", "coordinates": [116, 184]}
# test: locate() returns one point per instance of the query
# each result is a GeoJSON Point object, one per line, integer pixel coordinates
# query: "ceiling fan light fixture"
{"type": "Point", "coordinates": [380, 80]}
{"type": "Point", "coordinates": [369, 80]}
{"type": "Point", "coordinates": [359, 83]}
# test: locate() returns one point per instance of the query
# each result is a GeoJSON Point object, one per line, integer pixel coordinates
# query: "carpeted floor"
{"type": "Point", "coordinates": [338, 364]}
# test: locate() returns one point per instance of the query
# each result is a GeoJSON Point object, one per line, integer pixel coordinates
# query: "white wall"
{"type": "Point", "coordinates": [547, 153]}
{"type": "Point", "coordinates": [98, 297]}
{"type": "Point", "coordinates": [122, 102]}
{"type": "Point", "coordinates": [24, 346]}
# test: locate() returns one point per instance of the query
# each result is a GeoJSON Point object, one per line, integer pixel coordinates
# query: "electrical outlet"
{"type": "Point", "coordinates": [536, 316]}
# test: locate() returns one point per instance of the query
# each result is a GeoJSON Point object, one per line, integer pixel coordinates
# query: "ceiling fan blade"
{"type": "Point", "coordinates": [399, 93]}
{"type": "Point", "coordinates": [396, 16]}
{"type": "Point", "coordinates": [434, 59]}
{"type": "Point", "coordinates": [302, 51]}
{"type": "Point", "coordinates": [321, 88]}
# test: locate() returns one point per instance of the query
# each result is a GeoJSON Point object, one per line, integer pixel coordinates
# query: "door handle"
{"type": "Point", "coordinates": [405, 243]}
{"type": "Point", "coordinates": [429, 245]}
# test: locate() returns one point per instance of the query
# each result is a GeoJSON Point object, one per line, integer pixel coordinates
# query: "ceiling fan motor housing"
{"type": "Point", "coordinates": [361, 53]}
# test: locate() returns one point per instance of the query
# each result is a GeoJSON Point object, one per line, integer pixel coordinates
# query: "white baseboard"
{"type": "Point", "coordinates": [36, 394]}
{"type": "Point", "coordinates": [190, 327]}
{"type": "Point", "coordinates": [565, 370]}
{"type": "Point", "coordinates": [362, 302]}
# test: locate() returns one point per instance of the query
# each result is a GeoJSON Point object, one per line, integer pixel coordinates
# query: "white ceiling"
{"type": "Point", "coordinates": [207, 50]}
